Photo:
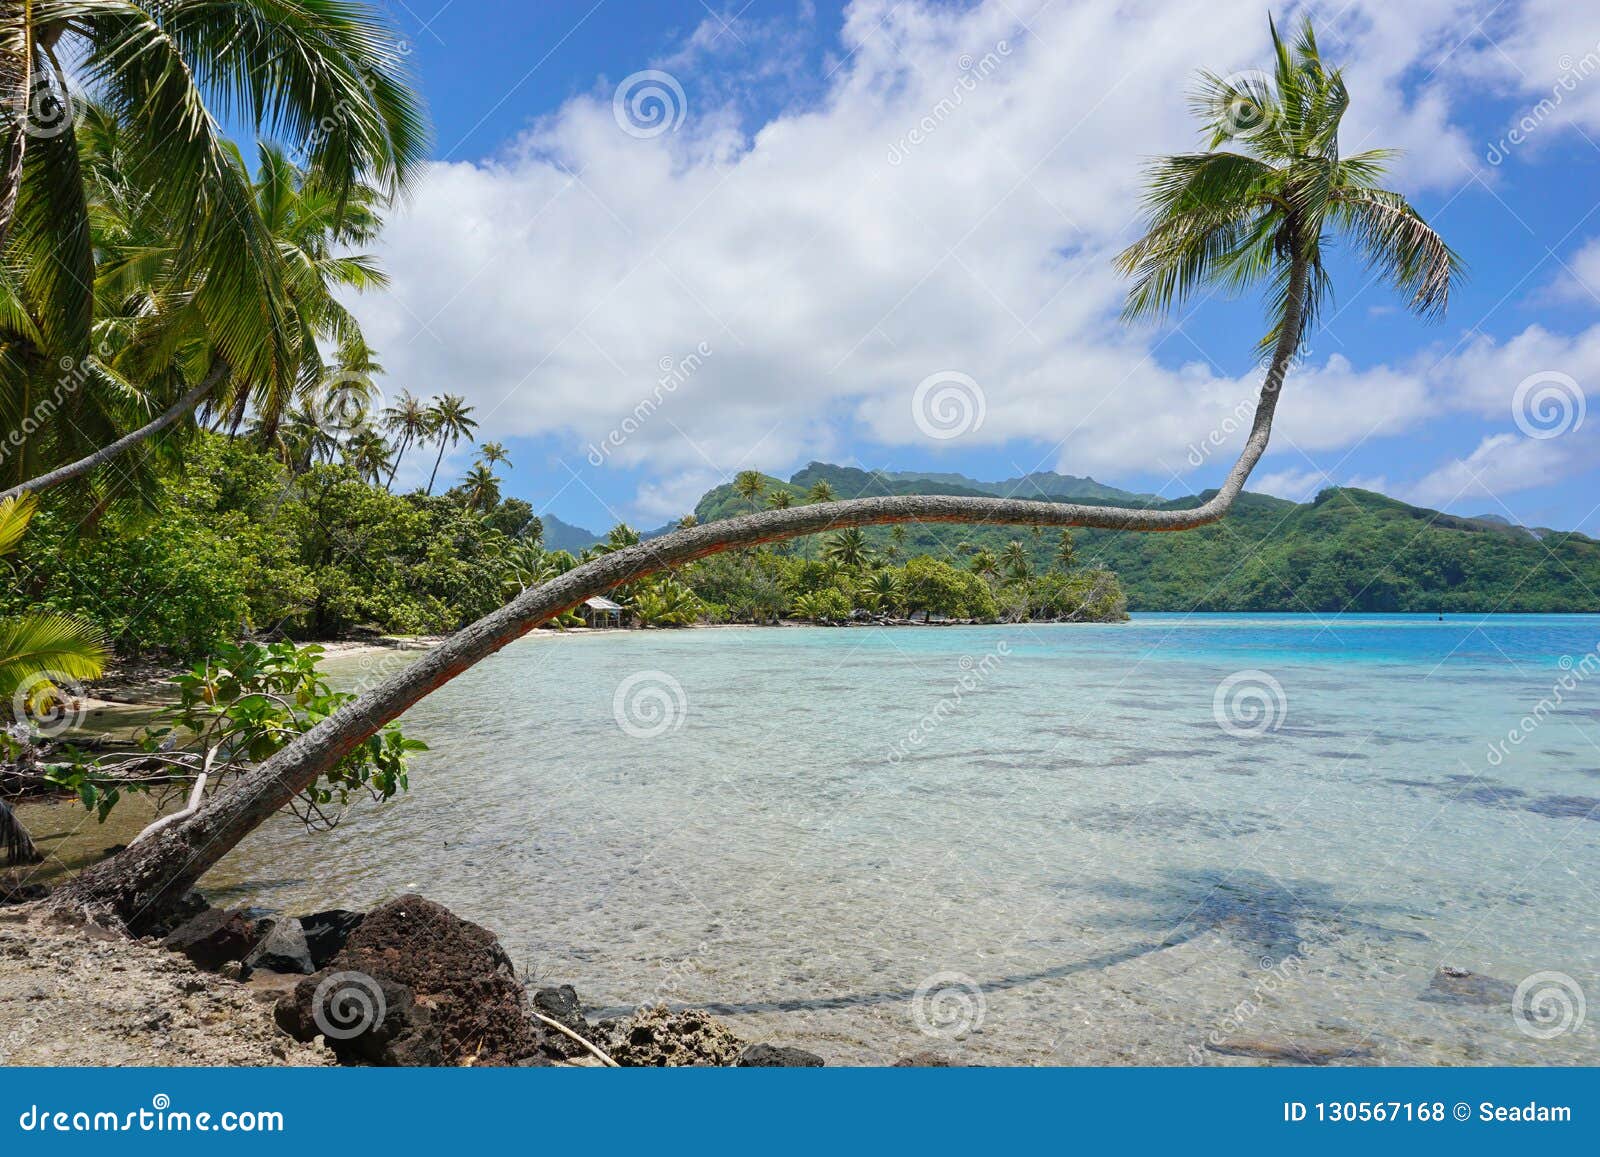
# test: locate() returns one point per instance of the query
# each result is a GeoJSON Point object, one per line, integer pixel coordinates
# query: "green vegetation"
{"type": "Point", "coordinates": [1348, 550]}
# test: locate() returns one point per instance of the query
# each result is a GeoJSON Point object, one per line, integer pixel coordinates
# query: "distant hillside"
{"type": "Point", "coordinates": [560, 535]}
{"type": "Point", "coordinates": [1347, 550]}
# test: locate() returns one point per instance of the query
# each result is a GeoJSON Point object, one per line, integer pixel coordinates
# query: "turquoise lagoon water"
{"type": "Point", "coordinates": [1034, 844]}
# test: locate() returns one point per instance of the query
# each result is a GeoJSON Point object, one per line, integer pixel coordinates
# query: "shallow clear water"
{"type": "Point", "coordinates": [1054, 844]}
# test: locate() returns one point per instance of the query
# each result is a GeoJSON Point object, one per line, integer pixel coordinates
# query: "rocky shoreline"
{"type": "Point", "coordinates": [406, 984]}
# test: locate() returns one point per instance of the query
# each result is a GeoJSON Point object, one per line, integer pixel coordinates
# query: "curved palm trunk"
{"type": "Point", "coordinates": [82, 466]}
{"type": "Point", "coordinates": [136, 885]}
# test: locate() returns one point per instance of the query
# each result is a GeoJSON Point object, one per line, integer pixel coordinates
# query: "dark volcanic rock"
{"type": "Point", "coordinates": [561, 1004]}
{"type": "Point", "coordinates": [282, 949]}
{"type": "Point", "coordinates": [655, 1037]}
{"type": "Point", "coordinates": [363, 1020]}
{"type": "Point", "coordinates": [452, 969]}
{"type": "Point", "coordinates": [1458, 986]}
{"type": "Point", "coordinates": [765, 1056]}
{"type": "Point", "coordinates": [1299, 1052]}
{"type": "Point", "coordinates": [923, 1060]}
{"type": "Point", "coordinates": [213, 938]}
{"type": "Point", "coordinates": [327, 932]}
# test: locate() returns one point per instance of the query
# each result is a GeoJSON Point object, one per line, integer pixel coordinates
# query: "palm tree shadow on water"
{"type": "Point", "coordinates": [1270, 918]}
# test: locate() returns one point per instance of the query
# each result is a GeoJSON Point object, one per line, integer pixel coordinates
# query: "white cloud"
{"type": "Point", "coordinates": [550, 284]}
{"type": "Point", "coordinates": [1579, 279]}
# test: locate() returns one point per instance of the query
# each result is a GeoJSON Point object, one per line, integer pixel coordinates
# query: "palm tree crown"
{"type": "Point", "coordinates": [449, 421]}
{"type": "Point", "coordinates": [1262, 209]}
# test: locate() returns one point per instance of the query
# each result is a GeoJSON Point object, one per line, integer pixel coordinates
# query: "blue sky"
{"type": "Point", "coordinates": [844, 202]}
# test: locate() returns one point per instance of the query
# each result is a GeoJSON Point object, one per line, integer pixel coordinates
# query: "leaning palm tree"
{"type": "Point", "coordinates": [408, 418]}
{"type": "Point", "coordinates": [1256, 212]}
{"type": "Point", "coordinates": [449, 421]}
{"type": "Point", "coordinates": [324, 79]}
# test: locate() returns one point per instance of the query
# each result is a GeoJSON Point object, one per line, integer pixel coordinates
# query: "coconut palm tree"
{"type": "Point", "coordinates": [848, 549]}
{"type": "Point", "coordinates": [820, 492]}
{"type": "Point", "coordinates": [780, 500]}
{"type": "Point", "coordinates": [324, 79]}
{"type": "Point", "coordinates": [750, 486]}
{"type": "Point", "coordinates": [369, 454]}
{"type": "Point", "coordinates": [1260, 210]}
{"type": "Point", "coordinates": [1015, 563]}
{"type": "Point", "coordinates": [407, 417]}
{"type": "Point", "coordinates": [1066, 551]}
{"type": "Point", "coordinates": [493, 453]}
{"type": "Point", "coordinates": [984, 564]}
{"type": "Point", "coordinates": [1234, 219]}
{"type": "Point", "coordinates": [481, 485]}
{"type": "Point", "coordinates": [449, 421]}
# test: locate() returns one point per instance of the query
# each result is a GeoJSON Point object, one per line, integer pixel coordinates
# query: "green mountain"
{"type": "Point", "coordinates": [1347, 550]}
{"type": "Point", "coordinates": [559, 535]}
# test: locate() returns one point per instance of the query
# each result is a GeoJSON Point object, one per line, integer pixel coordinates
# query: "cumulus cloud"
{"type": "Point", "coordinates": [949, 202]}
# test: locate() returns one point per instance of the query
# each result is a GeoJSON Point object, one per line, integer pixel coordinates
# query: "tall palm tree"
{"type": "Point", "coordinates": [1014, 561]}
{"type": "Point", "coordinates": [984, 564]}
{"type": "Point", "coordinates": [408, 418]}
{"type": "Point", "coordinates": [449, 421]}
{"type": "Point", "coordinates": [750, 486]}
{"type": "Point", "coordinates": [820, 492]}
{"type": "Point", "coordinates": [369, 454]}
{"type": "Point", "coordinates": [848, 548]}
{"type": "Point", "coordinates": [780, 500]}
{"type": "Point", "coordinates": [482, 487]}
{"type": "Point", "coordinates": [1066, 551]}
{"type": "Point", "coordinates": [1217, 218]}
{"type": "Point", "coordinates": [324, 79]}
{"type": "Point", "coordinates": [493, 453]}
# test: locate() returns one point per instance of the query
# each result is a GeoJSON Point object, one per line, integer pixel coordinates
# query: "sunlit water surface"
{"type": "Point", "coordinates": [1058, 834]}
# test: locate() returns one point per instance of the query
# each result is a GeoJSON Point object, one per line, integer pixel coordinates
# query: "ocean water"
{"type": "Point", "coordinates": [1073, 844]}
